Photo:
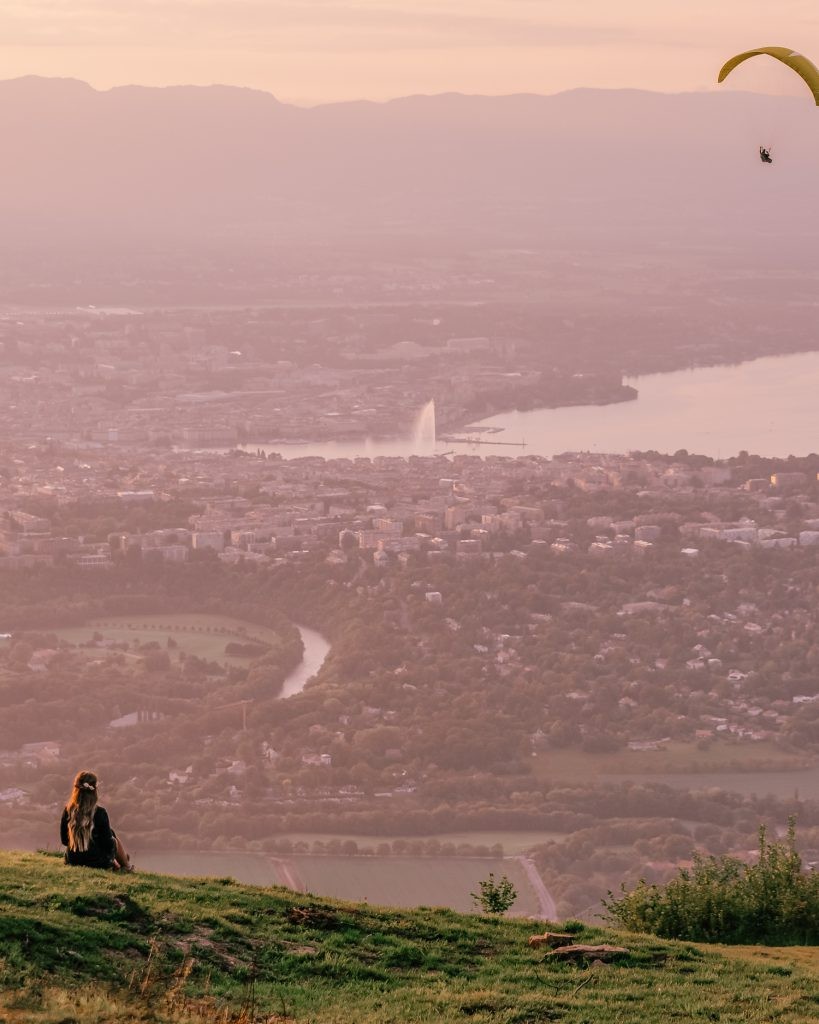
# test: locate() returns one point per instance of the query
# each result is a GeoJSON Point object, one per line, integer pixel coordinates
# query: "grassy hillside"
{"type": "Point", "coordinates": [79, 946]}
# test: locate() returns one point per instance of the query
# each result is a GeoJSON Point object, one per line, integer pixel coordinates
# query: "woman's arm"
{"type": "Point", "coordinates": [103, 835]}
{"type": "Point", "coordinates": [64, 827]}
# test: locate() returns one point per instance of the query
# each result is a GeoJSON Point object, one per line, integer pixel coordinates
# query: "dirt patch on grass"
{"type": "Point", "coordinates": [313, 917]}
{"type": "Point", "coordinates": [201, 940]}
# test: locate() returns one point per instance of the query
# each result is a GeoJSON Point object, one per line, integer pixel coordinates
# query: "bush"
{"type": "Point", "coordinates": [722, 899]}
{"type": "Point", "coordinates": [248, 650]}
{"type": "Point", "coordinates": [495, 897]}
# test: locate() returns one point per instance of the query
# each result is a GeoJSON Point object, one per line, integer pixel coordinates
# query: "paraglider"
{"type": "Point", "coordinates": [804, 67]}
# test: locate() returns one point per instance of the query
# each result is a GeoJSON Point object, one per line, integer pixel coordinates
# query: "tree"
{"type": "Point", "coordinates": [495, 897]}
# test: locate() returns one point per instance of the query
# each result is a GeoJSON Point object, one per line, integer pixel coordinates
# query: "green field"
{"type": "Point", "coordinates": [674, 758]}
{"type": "Point", "coordinates": [763, 769]}
{"type": "Point", "coordinates": [786, 785]}
{"type": "Point", "coordinates": [393, 881]}
{"type": "Point", "coordinates": [204, 636]}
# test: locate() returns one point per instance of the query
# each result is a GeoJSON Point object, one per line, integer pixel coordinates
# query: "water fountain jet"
{"type": "Point", "coordinates": [423, 431]}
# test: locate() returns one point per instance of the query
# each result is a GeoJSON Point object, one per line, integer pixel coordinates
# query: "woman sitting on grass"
{"type": "Point", "coordinates": [86, 831]}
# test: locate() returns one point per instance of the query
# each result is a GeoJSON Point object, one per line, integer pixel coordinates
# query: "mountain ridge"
{"type": "Point", "coordinates": [69, 81]}
{"type": "Point", "coordinates": [133, 170]}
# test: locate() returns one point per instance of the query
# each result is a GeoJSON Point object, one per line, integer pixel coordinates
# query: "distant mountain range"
{"type": "Point", "coordinates": [136, 166]}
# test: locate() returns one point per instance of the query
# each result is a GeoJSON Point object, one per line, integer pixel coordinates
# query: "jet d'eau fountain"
{"type": "Point", "coordinates": [423, 431]}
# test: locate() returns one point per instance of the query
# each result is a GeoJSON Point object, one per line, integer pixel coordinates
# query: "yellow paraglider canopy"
{"type": "Point", "coordinates": [805, 68]}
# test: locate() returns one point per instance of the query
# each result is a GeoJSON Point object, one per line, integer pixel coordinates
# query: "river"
{"type": "Point", "coordinates": [766, 406]}
{"type": "Point", "coordinates": [315, 651]}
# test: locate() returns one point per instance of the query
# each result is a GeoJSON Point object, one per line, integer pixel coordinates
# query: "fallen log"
{"type": "Point", "coordinates": [551, 939]}
{"type": "Point", "coordinates": [603, 953]}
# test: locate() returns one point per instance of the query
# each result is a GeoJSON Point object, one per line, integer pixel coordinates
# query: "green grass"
{"type": "Point", "coordinates": [188, 631]}
{"type": "Point", "coordinates": [87, 947]}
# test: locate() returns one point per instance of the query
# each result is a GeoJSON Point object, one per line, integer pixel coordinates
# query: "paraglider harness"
{"type": "Point", "coordinates": [765, 155]}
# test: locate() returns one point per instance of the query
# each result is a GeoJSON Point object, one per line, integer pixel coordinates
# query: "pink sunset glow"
{"type": "Point", "coordinates": [328, 50]}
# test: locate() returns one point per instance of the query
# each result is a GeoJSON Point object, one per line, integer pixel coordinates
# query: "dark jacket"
{"type": "Point", "coordinates": [102, 848]}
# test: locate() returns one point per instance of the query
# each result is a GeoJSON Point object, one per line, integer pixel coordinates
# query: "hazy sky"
{"type": "Point", "coordinates": [319, 50]}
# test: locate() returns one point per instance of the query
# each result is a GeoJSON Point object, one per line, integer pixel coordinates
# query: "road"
{"type": "Point", "coordinates": [548, 909]}
{"type": "Point", "coordinates": [287, 874]}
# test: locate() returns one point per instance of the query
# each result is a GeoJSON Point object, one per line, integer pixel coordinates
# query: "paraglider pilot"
{"type": "Point", "coordinates": [765, 155]}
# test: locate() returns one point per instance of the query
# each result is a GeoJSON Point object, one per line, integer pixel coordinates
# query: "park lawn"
{"type": "Point", "coordinates": [87, 947]}
{"type": "Point", "coordinates": [203, 636]}
{"type": "Point", "coordinates": [409, 881]}
{"type": "Point", "coordinates": [676, 757]}
{"type": "Point", "coordinates": [803, 957]}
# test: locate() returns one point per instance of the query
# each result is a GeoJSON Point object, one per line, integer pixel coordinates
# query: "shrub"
{"type": "Point", "coordinates": [495, 897]}
{"type": "Point", "coordinates": [723, 899]}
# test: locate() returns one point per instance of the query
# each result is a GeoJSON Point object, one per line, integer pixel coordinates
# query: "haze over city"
{"type": "Point", "coordinates": [409, 495]}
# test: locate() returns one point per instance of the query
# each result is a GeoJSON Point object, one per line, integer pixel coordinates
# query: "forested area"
{"type": "Point", "coordinates": [423, 719]}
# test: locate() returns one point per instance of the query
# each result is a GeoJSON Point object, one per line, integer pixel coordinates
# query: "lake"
{"type": "Point", "coordinates": [766, 406]}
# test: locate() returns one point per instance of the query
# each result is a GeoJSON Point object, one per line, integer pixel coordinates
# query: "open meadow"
{"type": "Point", "coordinates": [203, 636]}
{"type": "Point", "coordinates": [762, 768]}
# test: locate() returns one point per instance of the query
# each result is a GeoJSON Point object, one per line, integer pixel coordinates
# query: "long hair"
{"type": "Point", "coordinates": [81, 809]}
